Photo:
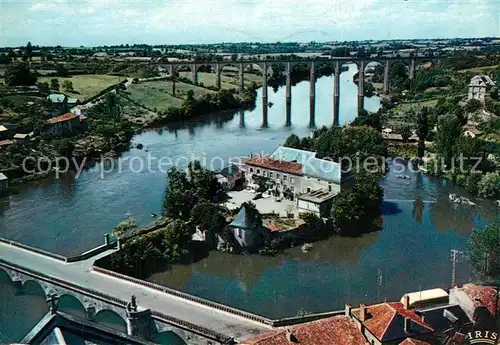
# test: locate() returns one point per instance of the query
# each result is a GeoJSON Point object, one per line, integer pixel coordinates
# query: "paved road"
{"type": "Point", "coordinates": [80, 273]}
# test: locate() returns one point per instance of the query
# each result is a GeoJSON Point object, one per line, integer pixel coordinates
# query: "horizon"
{"type": "Point", "coordinates": [192, 22]}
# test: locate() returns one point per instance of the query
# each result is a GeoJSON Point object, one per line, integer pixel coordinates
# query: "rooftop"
{"type": "Point", "coordinates": [482, 296]}
{"type": "Point", "coordinates": [6, 142]}
{"type": "Point", "coordinates": [3, 128]}
{"type": "Point", "coordinates": [3, 177]}
{"type": "Point", "coordinates": [338, 330]}
{"type": "Point", "coordinates": [267, 162]}
{"type": "Point", "coordinates": [481, 80]}
{"type": "Point", "coordinates": [62, 118]}
{"type": "Point", "coordinates": [20, 136]}
{"type": "Point", "coordinates": [56, 97]}
{"type": "Point", "coordinates": [386, 321]}
{"type": "Point", "coordinates": [317, 196]}
{"type": "Point", "coordinates": [229, 170]}
{"type": "Point", "coordinates": [426, 295]}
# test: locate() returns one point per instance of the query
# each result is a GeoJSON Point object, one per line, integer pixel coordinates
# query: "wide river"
{"type": "Point", "coordinates": [412, 251]}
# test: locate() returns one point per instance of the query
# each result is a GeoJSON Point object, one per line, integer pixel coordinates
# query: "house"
{"type": "Point", "coordinates": [4, 132]}
{"type": "Point", "coordinates": [60, 103]}
{"type": "Point", "coordinates": [471, 133]}
{"type": "Point", "coordinates": [476, 299]}
{"type": "Point", "coordinates": [294, 172]}
{"type": "Point", "coordinates": [318, 202]}
{"type": "Point", "coordinates": [391, 323]}
{"type": "Point", "coordinates": [64, 124]}
{"type": "Point", "coordinates": [5, 143]}
{"type": "Point", "coordinates": [4, 183]}
{"type": "Point", "coordinates": [247, 231]}
{"type": "Point", "coordinates": [22, 136]}
{"type": "Point", "coordinates": [478, 87]}
{"type": "Point", "coordinates": [337, 330]}
{"type": "Point", "coordinates": [231, 177]}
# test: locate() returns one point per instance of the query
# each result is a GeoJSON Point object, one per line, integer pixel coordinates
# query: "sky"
{"type": "Point", "coordinates": [106, 22]}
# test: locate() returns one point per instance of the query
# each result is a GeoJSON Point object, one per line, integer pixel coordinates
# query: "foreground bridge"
{"type": "Point", "coordinates": [198, 323]}
{"type": "Point", "coordinates": [264, 66]}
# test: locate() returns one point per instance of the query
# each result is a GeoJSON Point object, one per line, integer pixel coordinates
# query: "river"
{"type": "Point", "coordinates": [69, 215]}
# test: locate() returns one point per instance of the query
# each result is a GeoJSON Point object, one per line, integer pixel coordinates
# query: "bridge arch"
{"type": "Point", "coordinates": [183, 68]}
{"type": "Point", "coordinates": [170, 338]}
{"type": "Point", "coordinates": [346, 63]}
{"type": "Point", "coordinates": [112, 319]}
{"type": "Point", "coordinates": [253, 67]}
{"type": "Point", "coordinates": [34, 287]}
{"type": "Point", "coordinates": [70, 304]}
{"type": "Point", "coordinates": [207, 68]}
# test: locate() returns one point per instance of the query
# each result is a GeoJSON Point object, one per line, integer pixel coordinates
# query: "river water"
{"type": "Point", "coordinates": [69, 216]}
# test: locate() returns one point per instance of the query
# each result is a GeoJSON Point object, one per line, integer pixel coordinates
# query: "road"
{"type": "Point", "coordinates": [81, 273]}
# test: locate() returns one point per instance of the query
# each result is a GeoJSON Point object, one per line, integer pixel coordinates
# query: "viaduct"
{"type": "Point", "coordinates": [264, 66]}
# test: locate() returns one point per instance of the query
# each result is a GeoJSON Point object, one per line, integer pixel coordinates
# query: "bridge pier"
{"type": "Point", "coordinates": [386, 77]}
{"type": "Point", "coordinates": [336, 94]}
{"type": "Point", "coordinates": [171, 70]}
{"type": "Point", "coordinates": [242, 77]}
{"type": "Point", "coordinates": [312, 94]}
{"type": "Point", "coordinates": [288, 71]}
{"type": "Point", "coordinates": [361, 86]}
{"type": "Point", "coordinates": [264, 95]}
{"type": "Point", "coordinates": [288, 114]}
{"type": "Point", "coordinates": [90, 313]}
{"type": "Point", "coordinates": [242, 119]}
{"type": "Point", "coordinates": [412, 71]}
{"type": "Point", "coordinates": [218, 77]}
{"type": "Point", "coordinates": [18, 287]}
{"type": "Point", "coordinates": [194, 74]}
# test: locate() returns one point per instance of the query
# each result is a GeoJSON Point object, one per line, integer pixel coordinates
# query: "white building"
{"type": "Point", "coordinates": [298, 174]}
{"type": "Point", "coordinates": [4, 183]}
{"type": "Point", "coordinates": [478, 87]}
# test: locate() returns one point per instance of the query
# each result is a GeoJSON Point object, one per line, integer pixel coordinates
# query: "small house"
{"type": "Point", "coordinates": [22, 136]}
{"type": "Point", "coordinates": [64, 124]}
{"type": "Point", "coordinates": [478, 87]}
{"type": "Point", "coordinates": [79, 110]}
{"type": "Point", "coordinates": [4, 183]}
{"type": "Point", "coordinates": [231, 177]}
{"type": "Point", "coordinates": [247, 231]}
{"type": "Point", "coordinates": [5, 143]}
{"type": "Point", "coordinates": [59, 101]}
{"type": "Point", "coordinates": [4, 132]}
{"type": "Point", "coordinates": [318, 202]}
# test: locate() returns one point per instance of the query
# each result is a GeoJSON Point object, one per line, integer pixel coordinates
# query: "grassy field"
{"type": "Point", "coordinates": [86, 85]}
{"type": "Point", "coordinates": [158, 94]}
{"type": "Point", "coordinates": [227, 81]}
{"type": "Point", "coordinates": [477, 70]}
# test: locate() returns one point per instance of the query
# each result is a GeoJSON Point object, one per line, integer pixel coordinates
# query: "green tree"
{"type": "Point", "coordinates": [422, 130]}
{"type": "Point", "coordinates": [292, 141]}
{"type": "Point", "coordinates": [19, 74]}
{"type": "Point", "coordinates": [209, 216]}
{"type": "Point", "coordinates": [44, 88]}
{"type": "Point", "coordinates": [484, 249]}
{"type": "Point", "coordinates": [68, 85]}
{"type": "Point", "coordinates": [61, 70]}
{"type": "Point", "coordinates": [54, 84]}
{"type": "Point", "coordinates": [489, 185]}
{"type": "Point", "coordinates": [473, 105]}
{"type": "Point", "coordinates": [405, 133]}
{"type": "Point", "coordinates": [178, 233]}
{"type": "Point", "coordinates": [28, 52]}
{"type": "Point", "coordinates": [448, 131]}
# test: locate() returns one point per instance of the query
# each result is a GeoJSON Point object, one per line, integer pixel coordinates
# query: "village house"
{"type": "Point", "coordinates": [247, 232]}
{"type": "Point", "coordinates": [230, 177]}
{"type": "Point", "coordinates": [391, 323]}
{"type": "Point", "coordinates": [4, 183]}
{"type": "Point", "coordinates": [471, 298]}
{"type": "Point", "coordinates": [64, 124]}
{"type": "Point", "coordinates": [478, 87]}
{"type": "Point", "coordinates": [336, 330]}
{"type": "Point", "coordinates": [22, 136]}
{"type": "Point", "coordinates": [4, 132]}
{"type": "Point", "coordinates": [298, 175]}
{"type": "Point", "coordinates": [5, 143]}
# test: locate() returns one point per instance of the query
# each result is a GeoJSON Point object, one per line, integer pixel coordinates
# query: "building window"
{"type": "Point", "coordinates": [291, 188]}
{"type": "Point", "coordinates": [330, 187]}
{"type": "Point", "coordinates": [258, 171]}
{"type": "Point", "coordinates": [270, 174]}
{"type": "Point", "coordinates": [284, 177]}
{"type": "Point", "coordinates": [308, 189]}
{"type": "Point", "coordinates": [292, 180]}
{"type": "Point", "coordinates": [278, 176]}
{"type": "Point", "coordinates": [265, 173]}
{"type": "Point", "coordinates": [251, 170]}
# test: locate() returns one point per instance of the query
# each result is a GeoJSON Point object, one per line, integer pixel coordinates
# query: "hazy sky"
{"type": "Point", "coordinates": [96, 22]}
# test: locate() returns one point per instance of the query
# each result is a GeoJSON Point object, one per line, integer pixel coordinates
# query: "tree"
{"type": "Point", "coordinates": [68, 85]}
{"type": "Point", "coordinates": [61, 70]}
{"type": "Point", "coordinates": [489, 185]}
{"type": "Point", "coordinates": [405, 133]}
{"type": "Point", "coordinates": [18, 73]}
{"type": "Point", "coordinates": [449, 130]}
{"type": "Point", "coordinates": [484, 249]}
{"type": "Point", "coordinates": [209, 216]}
{"type": "Point", "coordinates": [422, 130]}
{"type": "Point", "coordinates": [178, 233]}
{"type": "Point", "coordinates": [292, 141]}
{"type": "Point", "coordinates": [473, 105]}
{"type": "Point", "coordinates": [54, 84]}
{"type": "Point", "coordinates": [43, 88]}
{"type": "Point", "coordinates": [28, 52]}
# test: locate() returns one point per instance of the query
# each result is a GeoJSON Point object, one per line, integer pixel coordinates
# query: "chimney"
{"type": "Point", "coordinates": [407, 324]}
{"type": "Point", "coordinates": [406, 301]}
{"type": "Point", "coordinates": [348, 309]}
{"type": "Point", "coordinates": [362, 312]}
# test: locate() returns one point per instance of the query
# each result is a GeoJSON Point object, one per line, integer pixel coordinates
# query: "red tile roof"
{"type": "Point", "coordinates": [279, 165]}
{"type": "Point", "coordinates": [482, 296]}
{"type": "Point", "coordinates": [62, 118]}
{"type": "Point", "coordinates": [414, 341]}
{"type": "Point", "coordinates": [386, 321]}
{"type": "Point", "coordinates": [338, 330]}
{"type": "Point", "coordinates": [272, 227]}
